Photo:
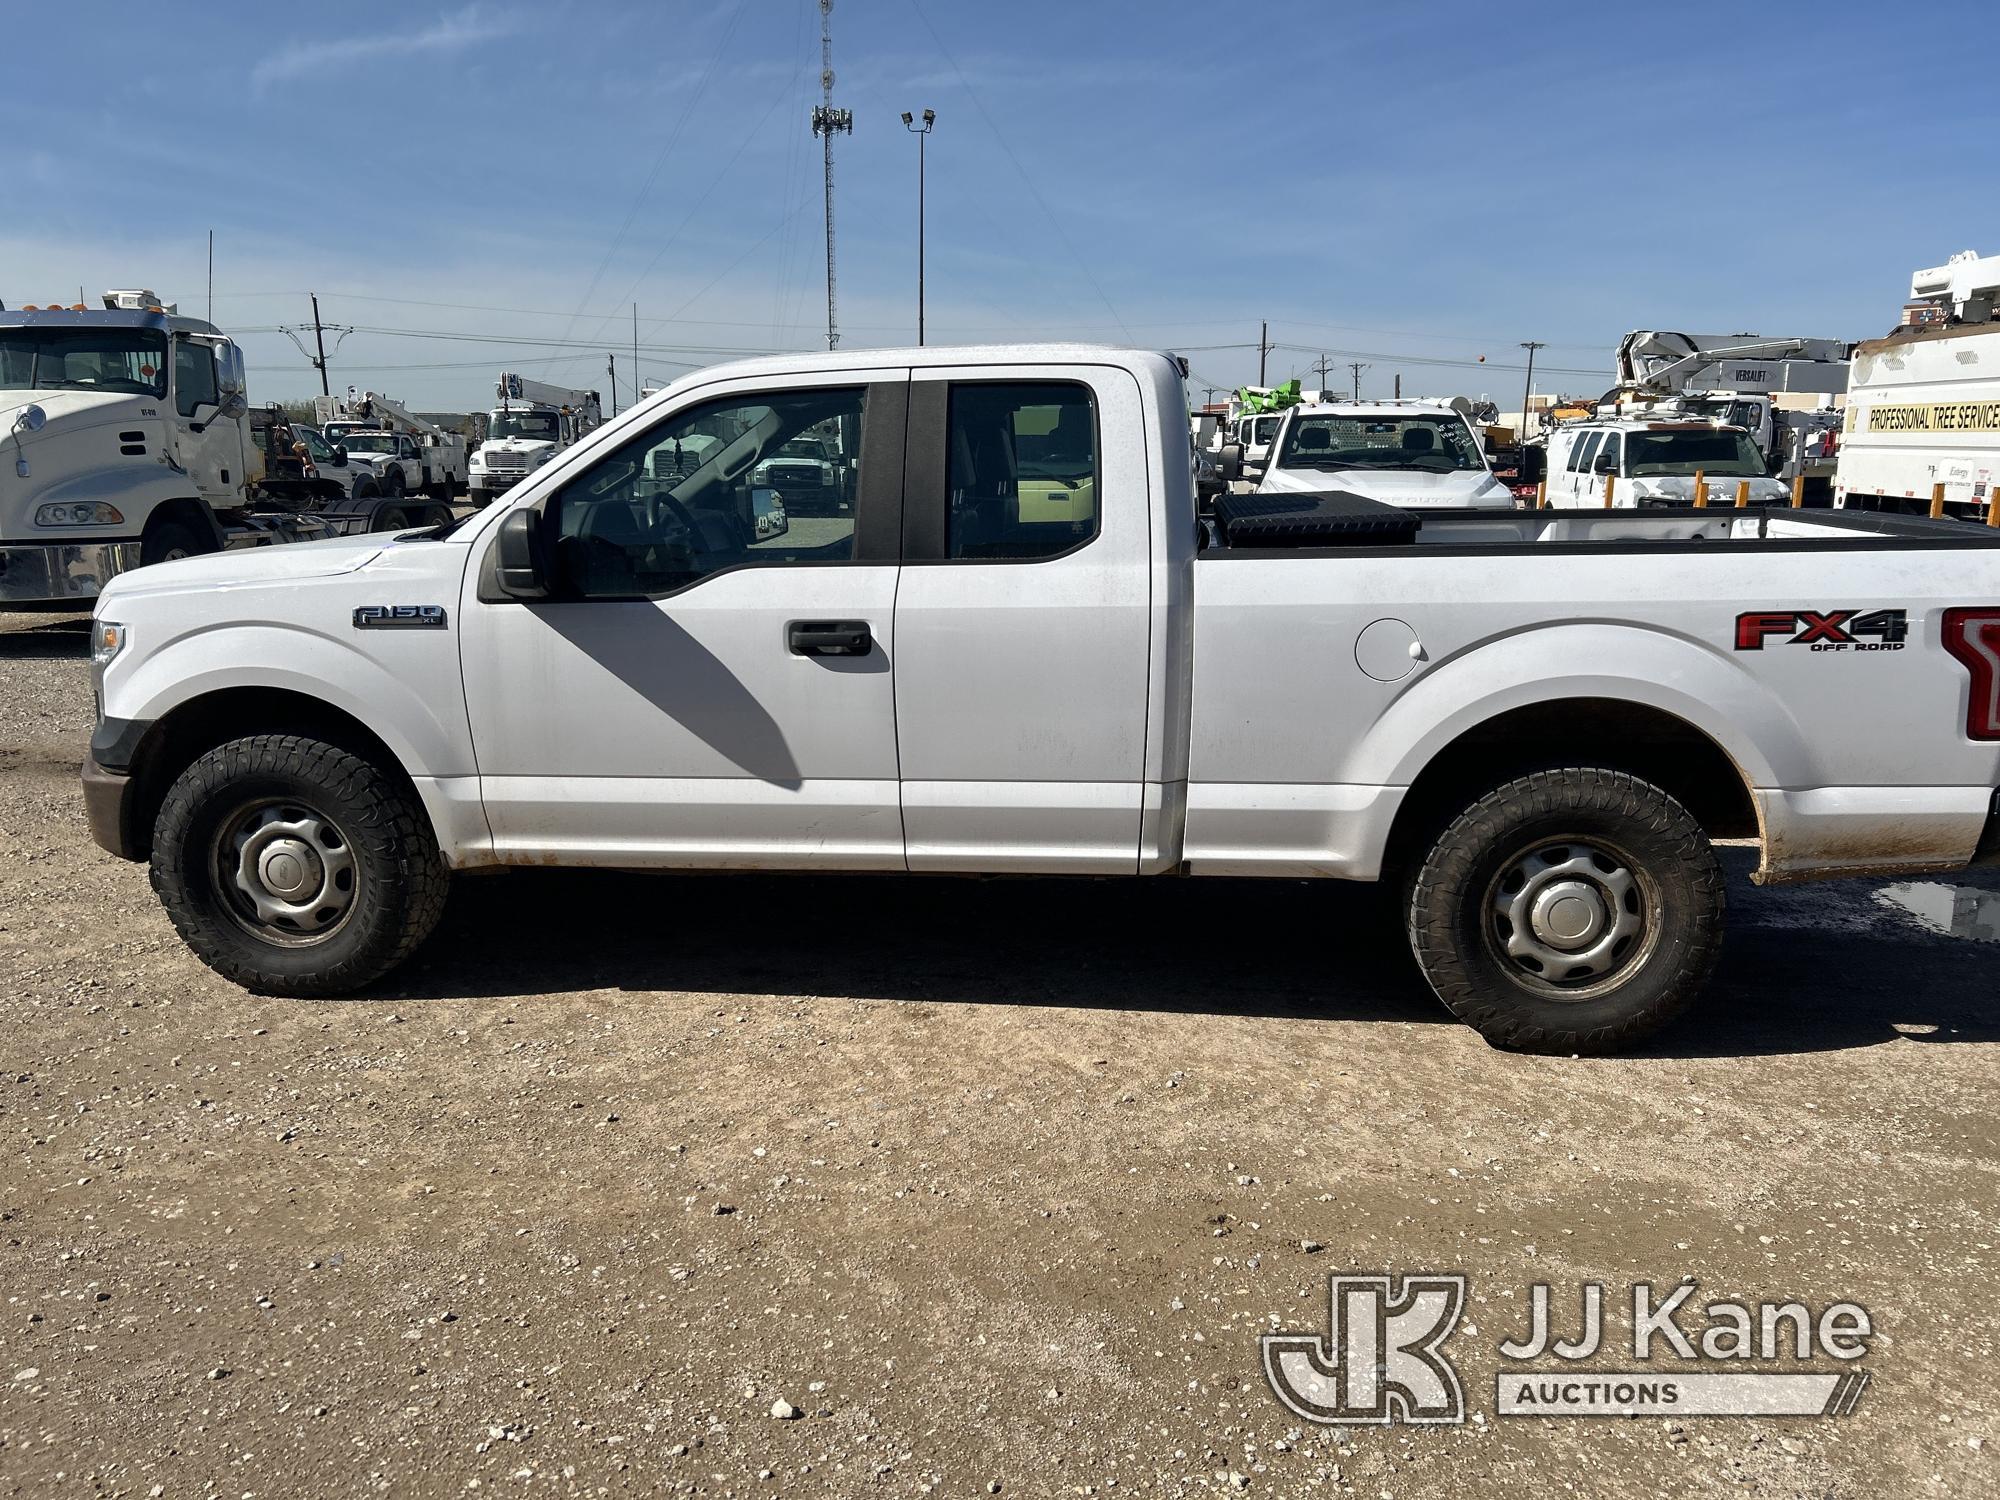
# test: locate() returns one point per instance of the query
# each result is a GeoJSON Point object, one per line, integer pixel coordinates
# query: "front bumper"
{"type": "Point", "coordinates": [52, 572]}
{"type": "Point", "coordinates": [107, 807]}
{"type": "Point", "coordinates": [494, 482]}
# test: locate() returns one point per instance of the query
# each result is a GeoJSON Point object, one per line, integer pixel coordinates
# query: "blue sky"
{"type": "Point", "coordinates": [1399, 184]}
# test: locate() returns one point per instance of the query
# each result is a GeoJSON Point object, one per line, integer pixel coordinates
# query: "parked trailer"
{"type": "Point", "coordinates": [129, 437]}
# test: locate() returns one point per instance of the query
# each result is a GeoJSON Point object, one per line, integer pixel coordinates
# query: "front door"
{"type": "Point", "coordinates": [713, 683]}
{"type": "Point", "coordinates": [208, 447]}
{"type": "Point", "coordinates": [1022, 620]}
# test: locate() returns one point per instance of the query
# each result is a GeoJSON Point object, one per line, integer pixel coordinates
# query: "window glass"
{"type": "Point", "coordinates": [709, 489]}
{"type": "Point", "coordinates": [1022, 470]}
{"type": "Point", "coordinates": [1612, 443]}
{"type": "Point", "coordinates": [1717, 452]}
{"type": "Point", "coordinates": [1585, 451]}
{"type": "Point", "coordinates": [194, 376]}
{"type": "Point", "coordinates": [129, 361]}
{"type": "Point", "coordinates": [1424, 441]}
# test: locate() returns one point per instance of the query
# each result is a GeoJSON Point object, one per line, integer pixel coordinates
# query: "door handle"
{"type": "Point", "coordinates": [829, 638]}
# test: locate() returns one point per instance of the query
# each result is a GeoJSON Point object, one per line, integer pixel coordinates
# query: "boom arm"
{"type": "Point", "coordinates": [1664, 363]}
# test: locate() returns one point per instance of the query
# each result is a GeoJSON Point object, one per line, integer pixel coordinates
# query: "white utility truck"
{"type": "Point", "coordinates": [1923, 408]}
{"type": "Point", "coordinates": [127, 440]}
{"type": "Point", "coordinates": [1532, 723]}
{"type": "Point", "coordinates": [1416, 454]}
{"type": "Point", "coordinates": [531, 425]}
{"type": "Point", "coordinates": [1654, 461]}
{"type": "Point", "coordinates": [414, 455]}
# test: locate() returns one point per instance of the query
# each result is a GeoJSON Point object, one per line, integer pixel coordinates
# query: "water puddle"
{"type": "Point", "coordinates": [1959, 911]}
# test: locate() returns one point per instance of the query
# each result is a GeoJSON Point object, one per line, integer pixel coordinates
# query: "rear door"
{"type": "Point", "coordinates": [1022, 620]}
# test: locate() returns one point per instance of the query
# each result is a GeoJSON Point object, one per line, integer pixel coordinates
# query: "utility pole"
{"type": "Point", "coordinates": [611, 371]}
{"type": "Point", "coordinates": [635, 354]}
{"type": "Point", "coordinates": [1399, 385]}
{"type": "Point", "coordinates": [319, 341]}
{"type": "Point", "coordinates": [826, 122]}
{"type": "Point", "coordinates": [1357, 367]}
{"type": "Point", "coordinates": [211, 276]}
{"type": "Point", "coordinates": [1263, 348]}
{"type": "Point", "coordinates": [922, 133]}
{"type": "Point", "coordinates": [1320, 368]}
{"type": "Point", "coordinates": [1528, 393]}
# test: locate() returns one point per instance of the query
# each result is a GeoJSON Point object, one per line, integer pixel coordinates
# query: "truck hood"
{"type": "Point", "coordinates": [60, 404]}
{"type": "Point", "coordinates": [1410, 488]}
{"type": "Point", "coordinates": [248, 567]}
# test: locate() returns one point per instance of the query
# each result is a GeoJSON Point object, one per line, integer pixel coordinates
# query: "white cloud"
{"type": "Point", "coordinates": [449, 33]}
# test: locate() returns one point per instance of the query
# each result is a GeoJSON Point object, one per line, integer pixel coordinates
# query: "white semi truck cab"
{"type": "Point", "coordinates": [127, 441]}
{"type": "Point", "coordinates": [1025, 652]}
{"type": "Point", "coordinates": [125, 429]}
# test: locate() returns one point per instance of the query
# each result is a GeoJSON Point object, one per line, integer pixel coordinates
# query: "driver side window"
{"type": "Point", "coordinates": [717, 486]}
{"type": "Point", "coordinates": [194, 376]}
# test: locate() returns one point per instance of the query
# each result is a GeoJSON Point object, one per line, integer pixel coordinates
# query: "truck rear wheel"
{"type": "Point", "coordinates": [1569, 911]}
{"type": "Point", "coordinates": [293, 867]}
{"type": "Point", "coordinates": [392, 484]}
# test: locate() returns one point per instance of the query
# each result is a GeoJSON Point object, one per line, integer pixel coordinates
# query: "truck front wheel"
{"type": "Point", "coordinates": [1569, 911]}
{"type": "Point", "coordinates": [169, 542]}
{"type": "Point", "coordinates": [294, 867]}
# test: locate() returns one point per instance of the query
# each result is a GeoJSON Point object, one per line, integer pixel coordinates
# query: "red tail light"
{"type": "Point", "coordinates": [1973, 636]}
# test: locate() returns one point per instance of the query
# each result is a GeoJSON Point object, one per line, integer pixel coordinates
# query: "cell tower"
{"type": "Point", "coordinates": [826, 120]}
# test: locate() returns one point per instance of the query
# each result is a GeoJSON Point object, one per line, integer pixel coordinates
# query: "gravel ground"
{"type": "Point", "coordinates": [990, 1185]}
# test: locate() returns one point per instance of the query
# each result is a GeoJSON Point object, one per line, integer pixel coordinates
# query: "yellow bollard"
{"type": "Point", "coordinates": [1993, 504]}
{"type": "Point", "coordinates": [1937, 502]}
{"type": "Point", "coordinates": [1700, 490]}
{"type": "Point", "coordinates": [1541, 494]}
{"type": "Point", "coordinates": [1742, 493]}
{"type": "Point", "coordinates": [1609, 481]}
{"type": "Point", "coordinates": [1799, 489]}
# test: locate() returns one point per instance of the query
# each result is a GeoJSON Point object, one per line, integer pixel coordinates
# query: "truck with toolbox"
{"type": "Point", "coordinates": [1530, 724]}
{"type": "Point", "coordinates": [128, 439]}
{"type": "Point", "coordinates": [1418, 454]}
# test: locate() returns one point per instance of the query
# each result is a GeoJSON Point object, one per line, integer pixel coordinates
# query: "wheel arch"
{"type": "Point", "coordinates": [192, 728]}
{"type": "Point", "coordinates": [188, 510]}
{"type": "Point", "coordinates": [1619, 734]}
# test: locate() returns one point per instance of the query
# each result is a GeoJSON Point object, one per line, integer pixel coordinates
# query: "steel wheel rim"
{"type": "Point", "coordinates": [1571, 918]}
{"type": "Point", "coordinates": [285, 872]}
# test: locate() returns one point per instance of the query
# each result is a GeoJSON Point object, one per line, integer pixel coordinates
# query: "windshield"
{"type": "Point", "coordinates": [545, 425]}
{"type": "Point", "coordinates": [1433, 443]}
{"type": "Point", "coordinates": [131, 361]}
{"type": "Point", "coordinates": [803, 448]}
{"type": "Point", "coordinates": [1716, 451]}
{"type": "Point", "coordinates": [1262, 429]}
{"type": "Point", "coordinates": [368, 442]}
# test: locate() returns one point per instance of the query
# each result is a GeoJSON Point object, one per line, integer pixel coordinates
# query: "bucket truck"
{"type": "Point", "coordinates": [531, 425]}
{"type": "Point", "coordinates": [1923, 405]}
{"type": "Point", "coordinates": [414, 454]}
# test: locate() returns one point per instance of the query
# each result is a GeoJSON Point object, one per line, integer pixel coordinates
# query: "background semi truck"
{"type": "Point", "coordinates": [127, 440]}
{"type": "Point", "coordinates": [531, 425]}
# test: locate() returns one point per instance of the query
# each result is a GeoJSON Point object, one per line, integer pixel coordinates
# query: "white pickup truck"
{"type": "Point", "coordinates": [1532, 722]}
{"type": "Point", "coordinates": [1413, 454]}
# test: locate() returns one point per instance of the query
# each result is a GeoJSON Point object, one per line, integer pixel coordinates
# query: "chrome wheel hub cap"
{"type": "Point", "coordinates": [1568, 914]}
{"type": "Point", "coordinates": [288, 871]}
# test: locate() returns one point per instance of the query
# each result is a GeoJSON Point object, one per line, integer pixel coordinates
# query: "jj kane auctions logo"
{"type": "Point", "coordinates": [1382, 1358]}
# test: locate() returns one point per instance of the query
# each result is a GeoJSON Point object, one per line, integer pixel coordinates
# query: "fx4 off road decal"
{"type": "Point", "coordinates": [1824, 630]}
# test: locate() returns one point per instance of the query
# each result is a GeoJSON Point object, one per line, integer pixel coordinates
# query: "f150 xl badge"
{"type": "Point", "coordinates": [1827, 630]}
{"type": "Point", "coordinates": [399, 617]}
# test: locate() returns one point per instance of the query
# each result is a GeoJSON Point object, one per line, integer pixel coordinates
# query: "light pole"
{"type": "Point", "coordinates": [1528, 393]}
{"type": "Point", "coordinates": [921, 132]}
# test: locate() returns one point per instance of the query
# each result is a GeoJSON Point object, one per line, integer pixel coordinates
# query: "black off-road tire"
{"type": "Point", "coordinates": [400, 877]}
{"type": "Point", "coordinates": [1459, 941]}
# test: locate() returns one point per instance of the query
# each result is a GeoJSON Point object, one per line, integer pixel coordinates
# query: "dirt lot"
{"type": "Point", "coordinates": [993, 1183]}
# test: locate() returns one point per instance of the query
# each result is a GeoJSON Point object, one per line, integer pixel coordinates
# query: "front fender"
{"type": "Point", "coordinates": [1586, 659]}
{"type": "Point", "coordinates": [413, 704]}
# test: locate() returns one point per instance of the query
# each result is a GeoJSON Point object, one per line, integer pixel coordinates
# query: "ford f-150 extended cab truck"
{"type": "Point", "coordinates": [1532, 722]}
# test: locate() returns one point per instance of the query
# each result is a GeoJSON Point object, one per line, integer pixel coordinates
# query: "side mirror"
{"type": "Point", "coordinates": [339, 456]}
{"type": "Point", "coordinates": [521, 568]}
{"type": "Point", "coordinates": [234, 405]}
{"type": "Point", "coordinates": [1604, 463]}
{"type": "Point", "coordinates": [1229, 462]}
{"type": "Point", "coordinates": [1534, 464]}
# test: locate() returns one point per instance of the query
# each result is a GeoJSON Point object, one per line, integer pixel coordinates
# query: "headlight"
{"type": "Point", "coordinates": [80, 513]}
